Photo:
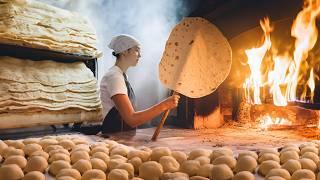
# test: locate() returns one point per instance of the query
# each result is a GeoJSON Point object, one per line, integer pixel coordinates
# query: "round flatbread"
{"type": "Point", "coordinates": [197, 58]}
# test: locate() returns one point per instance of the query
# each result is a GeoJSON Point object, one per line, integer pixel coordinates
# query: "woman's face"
{"type": "Point", "coordinates": [133, 55]}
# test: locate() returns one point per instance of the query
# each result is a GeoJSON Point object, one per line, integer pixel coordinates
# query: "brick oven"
{"type": "Point", "coordinates": [234, 103]}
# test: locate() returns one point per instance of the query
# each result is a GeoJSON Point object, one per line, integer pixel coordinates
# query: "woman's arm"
{"type": "Point", "coordinates": [133, 118]}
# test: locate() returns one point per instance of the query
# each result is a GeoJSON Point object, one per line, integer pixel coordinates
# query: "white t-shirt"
{"type": "Point", "coordinates": [112, 83]}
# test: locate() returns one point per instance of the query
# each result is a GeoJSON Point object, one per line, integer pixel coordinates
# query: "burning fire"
{"type": "Point", "coordinates": [286, 72]}
{"type": "Point", "coordinates": [284, 77]}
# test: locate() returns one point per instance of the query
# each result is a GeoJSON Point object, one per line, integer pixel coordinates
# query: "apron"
{"type": "Point", "coordinates": [113, 121]}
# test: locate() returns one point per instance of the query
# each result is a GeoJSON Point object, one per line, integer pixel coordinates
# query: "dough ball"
{"type": "Point", "coordinates": [40, 153]}
{"type": "Point", "coordinates": [269, 150]}
{"type": "Point", "coordinates": [31, 148]}
{"type": "Point", "coordinates": [57, 166]}
{"type": "Point", "coordinates": [120, 150]}
{"type": "Point", "coordinates": [31, 141]}
{"type": "Point", "coordinates": [1, 158]}
{"type": "Point", "coordinates": [137, 178]}
{"type": "Point", "coordinates": [97, 144]}
{"type": "Point", "coordinates": [64, 151]}
{"type": "Point", "coordinates": [136, 162]}
{"type": "Point", "coordinates": [179, 156]}
{"type": "Point", "coordinates": [175, 175]}
{"type": "Point", "coordinates": [100, 149]}
{"type": "Point", "coordinates": [113, 163]}
{"type": "Point", "coordinates": [15, 143]}
{"type": "Point", "coordinates": [65, 178]}
{"type": "Point", "coordinates": [220, 152]}
{"type": "Point", "coordinates": [285, 156]}
{"type": "Point", "coordinates": [310, 155]}
{"type": "Point", "coordinates": [59, 156]}
{"type": "Point", "coordinates": [18, 160]}
{"type": "Point", "coordinates": [2, 147]}
{"type": "Point", "coordinates": [246, 163]}
{"type": "Point", "coordinates": [34, 175]}
{"type": "Point", "coordinates": [290, 148]}
{"type": "Point", "coordinates": [275, 178]}
{"type": "Point", "coordinates": [190, 167]}
{"type": "Point", "coordinates": [203, 160]}
{"type": "Point", "coordinates": [98, 164]}
{"type": "Point", "coordinates": [11, 151]}
{"type": "Point", "coordinates": [266, 166]}
{"type": "Point", "coordinates": [67, 144]}
{"type": "Point", "coordinates": [52, 147]}
{"type": "Point", "coordinates": [205, 170]}
{"type": "Point", "coordinates": [47, 142]}
{"type": "Point", "coordinates": [75, 174]}
{"type": "Point", "coordinates": [94, 174]}
{"type": "Point", "coordinates": [197, 178]}
{"type": "Point", "coordinates": [169, 164]}
{"type": "Point", "coordinates": [199, 152]}
{"type": "Point", "coordinates": [279, 172]}
{"type": "Point", "coordinates": [151, 170]}
{"type": "Point", "coordinates": [308, 164]}
{"type": "Point", "coordinates": [221, 171]}
{"type": "Point", "coordinates": [143, 155]}
{"type": "Point", "coordinates": [77, 141]}
{"type": "Point", "coordinates": [309, 149]}
{"type": "Point", "coordinates": [100, 155]}
{"type": "Point", "coordinates": [243, 175]}
{"type": "Point", "coordinates": [248, 153]}
{"type": "Point", "coordinates": [128, 167]}
{"type": "Point", "coordinates": [228, 160]}
{"type": "Point", "coordinates": [110, 143]}
{"type": "Point", "coordinates": [82, 166]}
{"type": "Point", "coordinates": [78, 155]}
{"type": "Point", "coordinates": [291, 166]}
{"type": "Point", "coordinates": [158, 152]}
{"type": "Point", "coordinates": [118, 157]}
{"type": "Point", "coordinates": [11, 172]}
{"type": "Point", "coordinates": [118, 174]}
{"type": "Point", "coordinates": [81, 147]}
{"type": "Point", "coordinates": [303, 173]}
{"type": "Point", "coordinates": [268, 156]}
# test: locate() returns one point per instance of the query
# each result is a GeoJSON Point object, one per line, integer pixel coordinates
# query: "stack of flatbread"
{"type": "Point", "coordinates": [37, 25]}
{"type": "Point", "coordinates": [48, 91]}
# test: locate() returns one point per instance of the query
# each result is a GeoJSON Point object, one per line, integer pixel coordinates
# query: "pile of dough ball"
{"type": "Point", "coordinates": [76, 158]}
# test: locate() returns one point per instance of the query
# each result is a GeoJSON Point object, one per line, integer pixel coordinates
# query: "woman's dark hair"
{"type": "Point", "coordinates": [116, 55]}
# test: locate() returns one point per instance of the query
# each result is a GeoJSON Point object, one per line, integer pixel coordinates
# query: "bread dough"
{"type": "Point", "coordinates": [190, 167]}
{"type": "Point", "coordinates": [64, 151]}
{"type": "Point", "coordinates": [69, 172]}
{"type": "Point", "coordinates": [243, 175]}
{"type": "Point", "coordinates": [309, 149]}
{"type": "Point", "coordinates": [102, 156]}
{"type": "Point", "coordinates": [11, 171]}
{"type": "Point", "coordinates": [228, 160]}
{"type": "Point", "coordinates": [56, 166]}
{"type": "Point", "coordinates": [11, 151]}
{"type": "Point", "coordinates": [246, 163]}
{"type": "Point", "coordinates": [158, 152]}
{"type": "Point", "coordinates": [136, 162]}
{"type": "Point", "coordinates": [40, 153]}
{"type": "Point", "coordinates": [113, 163]}
{"type": "Point", "coordinates": [82, 165]}
{"type": "Point", "coordinates": [291, 166]}
{"type": "Point", "coordinates": [128, 167]}
{"type": "Point", "coordinates": [308, 164]}
{"type": "Point", "coordinates": [285, 156]}
{"type": "Point", "coordinates": [94, 174]}
{"type": "Point", "coordinates": [143, 155]}
{"type": "Point", "coordinates": [98, 164]}
{"type": "Point", "coordinates": [118, 174]}
{"type": "Point", "coordinates": [30, 148]}
{"type": "Point", "coordinates": [15, 143]}
{"type": "Point", "coordinates": [268, 156]}
{"type": "Point", "coordinates": [34, 175]}
{"type": "Point", "coordinates": [203, 160]}
{"type": "Point", "coordinates": [279, 172]}
{"type": "Point", "coordinates": [179, 156]}
{"type": "Point", "coordinates": [78, 155]}
{"type": "Point", "coordinates": [197, 178]}
{"type": "Point", "coordinates": [310, 155]}
{"type": "Point", "coordinates": [18, 160]}
{"type": "Point", "coordinates": [250, 153]}
{"type": "Point", "coordinates": [221, 171]}
{"type": "Point", "coordinates": [100, 149]}
{"type": "Point", "coordinates": [170, 164]}
{"type": "Point", "coordinates": [120, 150]}
{"type": "Point", "coordinates": [67, 144]}
{"type": "Point", "coordinates": [59, 156]}
{"type": "Point", "coordinates": [199, 152]}
{"type": "Point", "coordinates": [303, 173]}
{"type": "Point", "coordinates": [220, 152]}
{"type": "Point", "coordinates": [205, 170]}
{"type": "Point", "coordinates": [266, 166]}
{"type": "Point", "coordinates": [150, 170]}
{"type": "Point", "coordinates": [175, 175]}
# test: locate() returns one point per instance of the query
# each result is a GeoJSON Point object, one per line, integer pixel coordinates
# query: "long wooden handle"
{"type": "Point", "coordinates": [157, 131]}
{"type": "Point", "coordinates": [163, 119]}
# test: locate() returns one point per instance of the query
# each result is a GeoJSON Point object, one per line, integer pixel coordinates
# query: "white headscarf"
{"type": "Point", "coordinates": [122, 42]}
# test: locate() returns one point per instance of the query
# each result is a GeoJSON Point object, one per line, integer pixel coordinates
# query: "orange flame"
{"type": "Point", "coordinates": [267, 121]}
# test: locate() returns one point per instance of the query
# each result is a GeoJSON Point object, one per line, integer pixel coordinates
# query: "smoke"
{"type": "Point", "coordinates": [150, 21]}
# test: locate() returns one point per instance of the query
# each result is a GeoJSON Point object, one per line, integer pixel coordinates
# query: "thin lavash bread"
{"type": "Point", "coordinates": [197, 58]}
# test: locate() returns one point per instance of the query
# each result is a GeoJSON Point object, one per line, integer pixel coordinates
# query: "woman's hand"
{"type": "Point", "coordinates": [171, 102]}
